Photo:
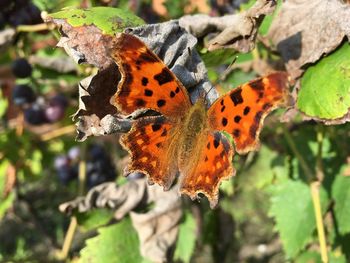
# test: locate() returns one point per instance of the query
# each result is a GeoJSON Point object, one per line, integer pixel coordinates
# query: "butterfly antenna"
{"type": "Point", "coordinates": [207, 92]}
{"type": "Point", "coordinates": [193, 68]}
{"type": "Point", "coordinates": [228, 69]}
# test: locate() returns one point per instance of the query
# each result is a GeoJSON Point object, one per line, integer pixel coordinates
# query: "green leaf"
{"type": "Point", "coordinates": [3, 104]}
{"type": "Point", "coordinates": [187, 239]}
{"type": "Point", "coordinates": [115, 243]}
{"type": "Point", "coordinates": [341, 196]}
{"type": "Point", "coordinates": [309, 257]}
{"type": "Point", "coordinates": [94, 218]}
{"type": "Point", "coordinates": [325, 87]}
{"type": "Point", "coordinates": [35, 162]}
{"type": "Point", "coordinates": [266, 23]}
{"type": "Point", "coordinates": [337, 258]}
{"type": "Point", "coordinates": [218, 57]}
{"type": "Point", "coordinates": [109, 20]}
{"type": "Point", "coordinates": [238, 77]}
{"type": "Point", "coordinates": [268, 166]}
{"type": "Point", "coordinates": [292, 208]}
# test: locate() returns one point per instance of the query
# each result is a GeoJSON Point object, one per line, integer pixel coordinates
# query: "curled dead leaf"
{"type": "Point", "coordinates": [236, 31]}
{"type": "Point", "coordinates": [304, 31]}
{"type": "Point", "coordinates": [157, 228]}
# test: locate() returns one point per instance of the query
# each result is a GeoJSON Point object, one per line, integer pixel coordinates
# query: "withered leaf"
{"type": "Point", "coordinates": [236, 31]}
{"type": "Point", "coordinates": [157, 228]}
{"type": "Point", "coordinates": [304, 31]}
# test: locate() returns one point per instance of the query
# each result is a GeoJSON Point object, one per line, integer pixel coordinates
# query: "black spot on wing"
{"type": "Point", "coordinates": [246, 110]}
{"type": "Point", "coordinates": [144, 81]}
{"type": "Point", "coordinates": [258, 85]}
{"type": "Point", "coordinates": [236, 133]}
{"type": "Point", "coordinates": [140, 103]}
{"type": "Point", "coordinates": [177, 90]}
{"type": "Point", "coordinates": [224, 121]}
{"type": "Point", "coordinates": [148, 92]}
{"type": "Point", "coordinates": [156, 127]}
{"type": "Point", "coordinates": [164, 76]}
{"type": "Point", "coordinates": [236, 97]}
{"type": "Point", "coordinates": [147, 57]}
{"type": "Point", "coordinates": [164, 133]}
{"type": "Point", "coordinates": [237, 118]}
{"type": "Point", "coordinates": [172, 94]}
{"type": "Point", "coordinates": [223, 108]}
{"type": "Point", "coordinates": [161, 103]}
{"type": "Point", "coordinates": [216, 143]}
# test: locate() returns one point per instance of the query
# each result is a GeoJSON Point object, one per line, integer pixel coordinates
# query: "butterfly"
{"type": "Point", "coordinates": [187, 138]}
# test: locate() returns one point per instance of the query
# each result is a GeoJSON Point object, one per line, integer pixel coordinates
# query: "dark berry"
{"type": "Point", "coordinates": [23, 94]}
{"type": "Point", "coordinates": [74, 153]}
{"type": "Point", "coordinates": [19, 16]}
{"type": "Point", "coordinates": [96, 152]}
{"type": "Point", "coordinates": [54, 113]}
{"type": "Point", "coordinates": [56, 108]}
{"type": "Point", "coordinates": [2, 21]}
{"type": "Point", "coordinates": [6, 4]}
{"type": "Point", "coordinates": [94, 179]}
{"type": "Point", "coordinates": [65, 175]}
{"type": "Point", "coordinates": [61, 161]}
{"type": "Point", "coordinates": [35, 14]}
{"type": "Point", "coordinates": [34, 115]}
{"type": "Point", "coordinates": [21, 68]}
{"type": "Point", "coordinates": [59, 99]}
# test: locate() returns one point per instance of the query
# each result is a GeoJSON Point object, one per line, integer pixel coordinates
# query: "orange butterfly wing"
{"type": "Point", "coordinates": [241, 112]}
{"type": "Point", "coordinates": [214, 165]}
{"type": "Point", "coordinates": [147, 143]}
{"type": "Point", "coordinates": [146, 82]}
{"type": "Point", "coordinates": [154, 143]}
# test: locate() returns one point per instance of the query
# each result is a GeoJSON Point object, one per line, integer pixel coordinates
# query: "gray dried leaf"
{"type": "Point", "coordinates": [59, 64]}
{"type": "Point", "coordinates": [232, 31]}
{"type": "Point", "coordinates": [304, 31]}
{"type": "Point", "coordinates": [6, 38]}
{"type": "Point", "coordinates": [157, 228]}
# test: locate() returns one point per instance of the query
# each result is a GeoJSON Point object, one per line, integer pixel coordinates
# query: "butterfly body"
{"type": "Point", "coordinates": [186, 139]}
{"type": "Point", "coordinates": [193, 128]}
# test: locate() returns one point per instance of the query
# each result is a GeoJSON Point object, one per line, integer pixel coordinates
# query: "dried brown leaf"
{"type": "Point", "coordinates": [304, 31]}
{"type": "Point", "coordinates": [232, 31]}
{"type": "Point", "coordinates": [157, 228]}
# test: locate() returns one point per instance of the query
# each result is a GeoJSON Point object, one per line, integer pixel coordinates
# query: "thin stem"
{"type": "Point", "coordinates": [73, 222]}
{"type": "Point", "coordinates": [58, 132]}
{"type": "Point", "coordinates": [309, 174]}
{"type": "Point", "coordinates": [68, 238]}
{"type": "Point", "coordinates": [32, 28]}
{"type": "Point", "coordinates": [82, 170]}
{"type": "Point", "coordinates": [319, 165]}
{"type": "Point", "coordinates": [315, 194]}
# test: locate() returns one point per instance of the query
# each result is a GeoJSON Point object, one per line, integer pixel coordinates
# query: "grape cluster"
{"type": "Point", "coordinates": [99, 167]}
{"type": "Point", "coordinates": [36, 110]}
{"type": "Point", "coordinates": [18, 12]}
